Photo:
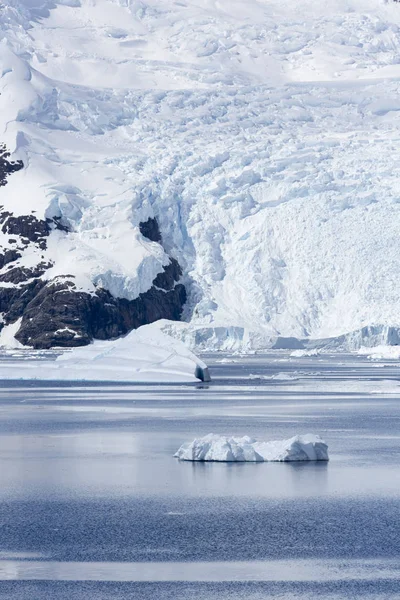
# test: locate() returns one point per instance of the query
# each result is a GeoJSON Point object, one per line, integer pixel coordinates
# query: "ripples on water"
{"type": "Point", "coordinates": [94, 506]}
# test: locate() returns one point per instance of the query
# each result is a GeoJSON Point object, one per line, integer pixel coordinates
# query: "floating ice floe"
{"type": "Point", "coordinates": [304, 353]}
{"type": "Point", "coordinates": [275, 376]}
{"type": "Point", "coordinates": [219, 448]}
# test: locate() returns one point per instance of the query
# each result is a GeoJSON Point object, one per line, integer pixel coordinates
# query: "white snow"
{"type": "Point", "coordinates": [263, 135]}
{"type": "Point", "coordinates": [143, 355]}
{"type": "Point", "coordinates": [219, 448]}
{"type": "Point", "coordinates": [7, 333]}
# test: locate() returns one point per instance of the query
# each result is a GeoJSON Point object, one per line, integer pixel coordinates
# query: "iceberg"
{"type": "Point", "coordinates": [144, 355]}
{"type": "Point", "coordinates": [219, 448]}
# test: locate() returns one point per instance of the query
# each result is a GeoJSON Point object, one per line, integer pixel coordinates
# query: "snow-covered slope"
{"type": "Point", "coordinates": [262, 136]}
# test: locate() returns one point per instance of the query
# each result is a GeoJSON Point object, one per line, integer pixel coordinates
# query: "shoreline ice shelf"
{"type": "Point", "coordinates": [144, 355]}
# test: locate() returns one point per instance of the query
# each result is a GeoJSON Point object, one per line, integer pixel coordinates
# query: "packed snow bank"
{"type": "Point", "coordinates": [219, 448]}
{"type": "Point", "coordinates": [381, 352]}
{"type": "Point", "coordinates": [143, 355]}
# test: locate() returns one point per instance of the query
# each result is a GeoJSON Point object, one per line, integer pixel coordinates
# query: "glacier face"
{"type": "Point", "coordinates": [262, 136]}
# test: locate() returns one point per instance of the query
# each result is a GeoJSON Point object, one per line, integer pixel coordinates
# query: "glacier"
{"type": "Point", "coordinates": [262, 137]}
{"type": "Point", "coordinates": [219, 448]}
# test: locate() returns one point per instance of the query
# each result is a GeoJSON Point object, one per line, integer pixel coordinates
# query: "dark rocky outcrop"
{"type": "Point", "coordinates": [18, 275]}
{"type": "Point", "coordinates": [29, 228]}
{"type": "Point", "coordinates": [14, 300]}
{"type": "Point", "coordinates": [26, 226]}
{"type": "Point", "coordinates": [55, 313]}
{"type": "Point", "coordinates": [9, 256]}
{"type": "Point", "coordinates": [7, 167]}
{"type": "Point", "coordinates": [150, 230]}
{"type": "Point", "coordinates": [58, 315]}
{"type": "Point", "coordinates": [169, 276]}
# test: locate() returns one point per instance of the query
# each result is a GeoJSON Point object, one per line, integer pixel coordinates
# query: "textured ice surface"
{"type": "Point", "coordinates": [219, 448]}
{"type": "Point", "coordinates": [143, 355]}
{"type": "Point", "coordinates": [263, 135]}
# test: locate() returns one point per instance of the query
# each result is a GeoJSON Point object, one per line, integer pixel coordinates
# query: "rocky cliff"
{"type": "Point", "coordinates": [52, 311]}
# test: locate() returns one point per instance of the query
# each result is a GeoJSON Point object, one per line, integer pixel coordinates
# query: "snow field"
{"type": "Point", "coordinates": [263, 136]}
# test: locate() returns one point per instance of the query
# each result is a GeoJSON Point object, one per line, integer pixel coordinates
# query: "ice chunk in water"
{"type": "Point", "coordinates": [219, 448]}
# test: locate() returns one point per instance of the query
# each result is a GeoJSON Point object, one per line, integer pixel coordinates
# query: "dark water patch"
{"type": "Point", "coordinates": [338, 590]}
{"type": "Point", "coordinates": [208, 529]}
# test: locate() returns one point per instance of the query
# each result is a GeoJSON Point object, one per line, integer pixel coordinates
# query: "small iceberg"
{"type": "Point", "coordinates": [219, 448]}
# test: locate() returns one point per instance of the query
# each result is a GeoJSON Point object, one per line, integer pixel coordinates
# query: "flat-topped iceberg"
{"type": "Point", "coordinates": [219, 448]}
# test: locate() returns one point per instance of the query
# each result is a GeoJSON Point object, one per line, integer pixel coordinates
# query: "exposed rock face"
{"type": "Point", "coordinates": [21, 274]}
{"type": "Point", "coordinates": [9, 256]}
{"type": "Point", "coordinates": [150, 230]}
{"type": "Point", "coordinates": [54, 312]}
{"type": "Point", "coordinates": [6, 166]}
{"type": "Point", "coordinates": [59, 316]}
{"type": "Point", "coordinates": [19, 284]}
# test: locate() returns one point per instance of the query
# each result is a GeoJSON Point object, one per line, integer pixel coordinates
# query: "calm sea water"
{"type": "Point", "coordinates": [94, 506]}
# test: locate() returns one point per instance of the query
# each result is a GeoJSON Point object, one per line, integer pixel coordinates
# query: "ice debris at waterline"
{"type": "Point", "coordinates": [220, 448]}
